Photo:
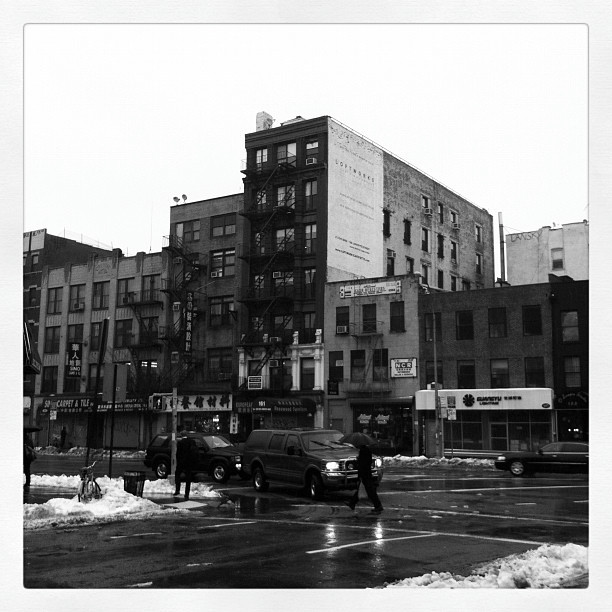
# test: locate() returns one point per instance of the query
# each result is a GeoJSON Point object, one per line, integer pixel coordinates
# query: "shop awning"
{"type": "Point", "coordinates": [283, 404]}
{"type": "Point", "coordinates": [31, 358]}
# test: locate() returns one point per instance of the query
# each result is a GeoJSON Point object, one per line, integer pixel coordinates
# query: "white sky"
{"type": "Point", "coordinates": [121, 118]}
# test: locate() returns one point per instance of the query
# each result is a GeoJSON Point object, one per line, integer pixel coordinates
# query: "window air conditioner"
{"type": "Point", "coordinates": [275, 338]}
{"type": "Point", "coordinates": [311, 160]}
{"type": "Point", "coordinates": [277, 275]}
{"type": "Point", "coordinates": [391, 253]}
{"type": "Point", "coordinates": [273, 363]}
{"type": "Point", "coordinates": [176, 307]}
{"type": "Point", "coordinates": [216, 274]}
{"type": "Point", "coordinates": [456, 226]}
{"type": "Point", "coordinates": [127, 298]}
{"type": "Point", "coordinates": [79, 306]}
{"type": "Point", "coordinates": [342, 329]}
{"type": "Point", "coordinates": [177, 261]}
{"type": "Point", "coordinates": [428, 211]}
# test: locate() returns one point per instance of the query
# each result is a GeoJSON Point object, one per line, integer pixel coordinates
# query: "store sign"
{"type": "Point", "coordinates": [404, 367]}
{"type": "Point", "coordinates": [188, 322]}
{"type": "Point", "coordinates": [255, 383]}
{"type": "Point", "coordinates": [488, 399]}
{"type": "Point", "coordinates": [364, 418]}
{"type": "Point", "coordinates": [369, 289]}
{"type": "Point", "coordinates": [382, 419]}
{"type": "Point", "coordinates": [73, 357]}
{"type": "Point", "coordinates": [332, 387]}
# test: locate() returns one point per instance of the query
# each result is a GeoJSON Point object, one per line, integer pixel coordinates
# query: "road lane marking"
{"type": "Point", "coordinates": [228, 524]}
{"type": "Point", "coordinates": [136, 535]}
{"type": "Point", "coordinates": [581, 501]}
{"type": "Point", "coordinates": [525, 504]}
{"type": "Point", "coordinates": [364, 542]}
{"type": "Point", "coordinates": [483, 489]}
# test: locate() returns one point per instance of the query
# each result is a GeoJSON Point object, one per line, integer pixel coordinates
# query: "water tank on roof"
{"type": "Point", "coordinates": [264, 121]}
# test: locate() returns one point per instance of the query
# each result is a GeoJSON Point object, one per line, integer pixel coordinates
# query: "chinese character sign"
{"type": "Point", "coordinates": [75, 351]}
{"type": "Point", "coordinates": [188, 321]}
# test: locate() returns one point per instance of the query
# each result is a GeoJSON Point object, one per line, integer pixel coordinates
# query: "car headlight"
{"type": "Point", "coordinates": [501, 458]}
{"type": "Point", "coordinates": [237, 459]}
{"type": "Point", "coordinates": [379, 462]}
{"type": "Point", "coordinates": [332, 466]}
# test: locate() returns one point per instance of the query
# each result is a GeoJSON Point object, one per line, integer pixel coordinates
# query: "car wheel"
{"type": "Point", "coordinates": [259, 480]}
{"type": "Point", "coordinates": [315, 486]}
{"type": "Point", "coordinates": [517, 468]}
{"type": "Point", "coordinates": [162, 468]}
{"type": "Point", "coordinates": [219, 472]}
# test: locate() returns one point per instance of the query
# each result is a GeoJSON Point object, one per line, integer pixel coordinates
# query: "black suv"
{"type": "Point", "coordinates": [218, 457]}
{"type": "Point", "coordinates": [311, 458]}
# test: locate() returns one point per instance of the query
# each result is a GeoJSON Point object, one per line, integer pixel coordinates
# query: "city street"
{"type": "Point", "coordinates": [434, 520]}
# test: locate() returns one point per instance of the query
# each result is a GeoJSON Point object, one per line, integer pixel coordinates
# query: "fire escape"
{"type": "Point", "coordinates": [270, 257]}
{"type": "Point", "coordinates": [186, 269]}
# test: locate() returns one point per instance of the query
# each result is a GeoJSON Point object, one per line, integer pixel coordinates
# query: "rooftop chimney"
{"type": "Point", "coordinates": [264, 121]}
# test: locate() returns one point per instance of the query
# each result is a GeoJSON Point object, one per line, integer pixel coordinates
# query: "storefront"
{"type": "Point", "coordinates": [388, 421]}
{"type": "Point", "coordinates": [486, 420]}
{"type": "Point", "coordinates": [572, 411]}
{"type": "Point", "coordinates": [276, 413]}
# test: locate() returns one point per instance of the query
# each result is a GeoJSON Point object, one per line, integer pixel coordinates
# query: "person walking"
{"type": "Point", "coordinates": [28, 456]}
{"type": "Point", "coordinates": [187, 457]}
{"type": "Point", "coordinates": [63, 434]}
{"type": "Point", "coordinates": [364, 473]}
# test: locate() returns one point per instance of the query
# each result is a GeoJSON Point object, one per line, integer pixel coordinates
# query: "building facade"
{"type": "Point", "coordinates": [563, 251]}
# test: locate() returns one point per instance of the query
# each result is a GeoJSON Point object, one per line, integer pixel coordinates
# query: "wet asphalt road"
{"type": "Point", "coordinates": [434, 520]}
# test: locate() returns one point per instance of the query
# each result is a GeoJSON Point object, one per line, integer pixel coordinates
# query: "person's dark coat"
{"type": "Point", "coordinates": [187, 459]}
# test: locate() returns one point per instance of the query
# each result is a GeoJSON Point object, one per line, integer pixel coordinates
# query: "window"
{"type": "Point", "coordinates": [310, 241]}
{"type": "Point", "coordinates": [307, 373]}
{"type": "Point", "coordinates": [188, 231]}
{"type": "Point", "coordinates": [500, 376]}
{"type": "Point", "coordinates": [478, 231]}
{"type": "Point", "coordinates": [52, 340]}
{"type": "Point", "coordinates": [369, 318]}
{"type": "Point", "coordinates": [336, 365]}
{"type": "Point", "coordinates": [72, 384]}
{"type": "Point", "coordinates": [556, 256]}
{"type": "Point", "coordinates": [223, 225]}
{"type": "Point", "coordinates": [282, 325]}
{"type": "Point", "coordinates": [454, 217]}
{"type": "Point", "coordinates": [150, 286]}
{"type": "Point", "coordinates": [440, 246]}
{"type": "Point", "coordinates": [430, 375]}
{"type": "Point", "coordinates": [425, 202]}
{"type": "Point", "coordinates": [310, 277]}
{"type": "Point", "coordinates": [91, 379]}
{"type": "Point", "coordinates": [410, 265]}
{"type": "Point", "coordinates": [453, 280]}
{"type": "Point", "coordinates": [466, 374]}
{"type": "Point", "coordinates": [342, 316]}
{"type": "Point", "coordinates": [75, 334]}
{"type": "Point", "coordinates": [312, 149]}
{"type": "Point", "coordinates": [219, 310]}
{"type": "Point", "coordinates": [569, 326]}
{"type": "Point", "coordinates": [261, 200]}
{"type": "Point", "coordinates": [571, 369]}
{"type": "Point", "coordinates": [32, 299]}
{"type": "Point", "coordinates": [77, 298]}
{"type": "Point", "coordinates": [497, 323]}
{"type": "Point", "coordinates": [95, 336]}
{"type": "Point", "coordinates": [478, 263]}
{"type": "Point", "coordinates": [381, 364]}
{"type": "Point", "coordinates": [453, 251]}
{"type": "Point", "coordinates": [358, 365]}
{"type": "Point", "coordinates": [34, 262]}
{"type": "Point", "coordinates": [222, 263]}
{"type": "Point", "coordinates": [465, 285]}
{"type": "Point", "coordinates": [148, 330]}
{"type": "Point", "coordinates": [532, 321]}
{"type": "Point", "coordinates": [534, 372]}
{"type": "Point", "coordinates": [101, 293]}
{"type": "Point", "coordinates": [309, 328]}
{"type": "Point", "coordinates": [125, 291]}
{"type": "Point", "coordinates": [407, 231]}
{"type": "Point", "coordinates": [440, 212]}
{"type": "Point", "coordinates": [286, 153]}
{"type": "Point", "coordinates": [261, 157]}
{"type": "Point", "coordinates": [310, 194]}
{"type": "Point", "coordinates": [285, 239]}
{"type": "Point", "coordinates": [220, 363]}
{"type": "Point", "coordinates": [123, 333]}
{"type": "Point", "coordinates": [440, 279]}
{"type": "Point", "coordinates": [429, 331]}
{"type": "Point", "coordinates": [386, 223]}
{"type": "Point", "coordinates": [465, 324]}
{"type": "Point", "coordinates": [285, 196]}
{"type": "Point", "coordinates": [425, 239]}
{"type": "Point", "coordinates": [396, 317]}
{"type": "Point", "coordinates": [390, 262]}
{"type": "Point", "coordinates": [425, 274]}
{"type": "Point", "coordinates": [49, 379]}
{"type": "Point", "coordinates": [283, 285]}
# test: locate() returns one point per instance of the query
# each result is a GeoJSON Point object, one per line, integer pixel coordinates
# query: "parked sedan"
{"type": "Point", "coordinates": [569, 457]}
{"type": "Point", "coordinates": [218, 457]}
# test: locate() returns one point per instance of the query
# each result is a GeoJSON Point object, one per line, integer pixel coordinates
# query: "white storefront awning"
{"type": "Point", "coordinates": [487, 399]}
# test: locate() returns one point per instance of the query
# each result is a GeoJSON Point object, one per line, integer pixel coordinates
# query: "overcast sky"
{"type": "Point", "coordinates": [119, 119]}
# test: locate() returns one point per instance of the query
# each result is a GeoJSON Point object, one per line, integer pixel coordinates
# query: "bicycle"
{"type": "Point", "coordinates": [88, 487]}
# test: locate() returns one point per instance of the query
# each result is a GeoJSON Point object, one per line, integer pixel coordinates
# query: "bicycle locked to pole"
{"type": "Point", "coordinates": [88, 488]}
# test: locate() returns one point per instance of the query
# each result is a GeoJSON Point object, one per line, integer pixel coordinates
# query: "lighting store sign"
{"type": "Point", "coordinates": [488, 399]}
{"type": "Point", "coordinates": [384, 288]}
{"type": "Point", "coordinates": [404, 367]}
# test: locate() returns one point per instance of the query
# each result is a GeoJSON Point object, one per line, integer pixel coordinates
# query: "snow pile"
{"type": "Point", "coordinates": [549, 566]}
{"type": "Point", "coordinates": [422, 461]}
{"type": "Point", "coordinates": [115, 503]}
{"type": "Point", "coordinates": [81, 451]}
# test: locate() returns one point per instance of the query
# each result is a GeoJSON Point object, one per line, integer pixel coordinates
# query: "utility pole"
{"type": "Point", "coordinates": [92, 423]}
{"type": "Point", "coordinates": [439, 423]}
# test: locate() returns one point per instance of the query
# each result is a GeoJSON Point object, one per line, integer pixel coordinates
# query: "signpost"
{"type": "Point", "coordinates": [172, 474]}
